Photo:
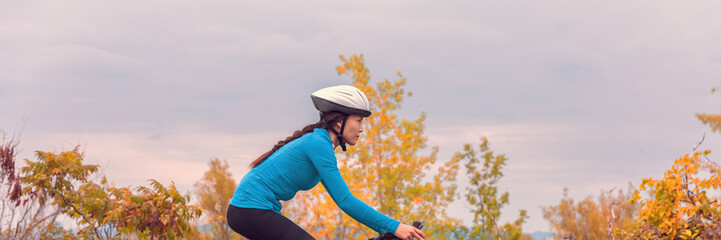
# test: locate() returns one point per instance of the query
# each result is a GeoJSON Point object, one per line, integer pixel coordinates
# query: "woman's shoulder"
{"type": "Point", "coordinates": [320, 134]}
{"type": "Point", "coordinates": [319, 137]}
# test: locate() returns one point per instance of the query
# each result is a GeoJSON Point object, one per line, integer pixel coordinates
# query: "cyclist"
{"type": "Point", "coordinates": [301, 161]}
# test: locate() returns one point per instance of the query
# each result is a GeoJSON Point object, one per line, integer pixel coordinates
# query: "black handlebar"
{"type": "Point", "coordinates": [388, 235]}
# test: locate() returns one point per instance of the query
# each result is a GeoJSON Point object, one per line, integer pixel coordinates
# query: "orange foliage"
{"type": "Point", "coordinates": [589, 219]}
{"type": "Point", "coordinates": [681, 206]}
{"type": "Point", "coordinates": [101, 210]}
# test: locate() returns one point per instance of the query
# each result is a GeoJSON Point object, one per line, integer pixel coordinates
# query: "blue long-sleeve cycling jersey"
{"type": "Point", "coordinates": [300, 165]}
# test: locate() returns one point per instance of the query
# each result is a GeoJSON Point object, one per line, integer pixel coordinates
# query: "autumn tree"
{"type": "Point", "coordinates": [682, 204]}
{"type": "Point", "coordinates": [384, 170]}
{"type": "Point", "coordinates": [214, 192]}
{"type": "Point", "coordinates": [26, 219]}
{"type": "Point", "coordinates": [685, 203]}
{"type": "Point", "coordinates": [101, 210]}
{"type": "Point", "coordinates": [484, 169]}
{"type": "Point", "coordinates": [602, 218]}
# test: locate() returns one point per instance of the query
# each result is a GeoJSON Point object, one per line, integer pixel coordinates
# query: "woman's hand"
{"type": "Point", "coordinates": [407, 232]}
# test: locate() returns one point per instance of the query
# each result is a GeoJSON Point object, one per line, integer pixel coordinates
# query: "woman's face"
{"type": "Point", "coordinates": [353, 129]}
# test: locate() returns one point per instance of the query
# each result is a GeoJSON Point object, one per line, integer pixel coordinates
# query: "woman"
{"type": "Point", "coordinates": [301, 161]}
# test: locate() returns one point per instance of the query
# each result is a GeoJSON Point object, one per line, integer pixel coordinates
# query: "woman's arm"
{"type": "Point", "coordinates": [324, 160]}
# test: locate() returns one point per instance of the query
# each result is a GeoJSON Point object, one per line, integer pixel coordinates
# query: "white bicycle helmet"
{"type": "Point", "coordinates": [344, 99]}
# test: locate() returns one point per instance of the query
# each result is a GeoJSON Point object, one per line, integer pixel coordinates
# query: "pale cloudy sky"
{"type": "Point", "coordinates": [588, 95]}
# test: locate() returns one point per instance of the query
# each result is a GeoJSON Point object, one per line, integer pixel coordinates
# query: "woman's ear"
{"type": "Point", "coordinates": [339, 124]}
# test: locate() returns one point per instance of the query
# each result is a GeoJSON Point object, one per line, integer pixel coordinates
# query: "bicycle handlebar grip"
{"type": "Point", "coordinates": [388, 235]}
{"type": "Point", "coordinates": [418, 224]}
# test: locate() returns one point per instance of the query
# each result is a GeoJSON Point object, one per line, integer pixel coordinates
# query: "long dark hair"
{"type": "Point", "coordinates": [327, 121]}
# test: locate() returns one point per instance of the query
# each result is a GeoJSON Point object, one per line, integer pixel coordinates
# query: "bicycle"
{"type": "Point", "coordinates": [390, 236]}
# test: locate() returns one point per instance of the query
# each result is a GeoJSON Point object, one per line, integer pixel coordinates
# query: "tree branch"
{"type": "Point", "coordinates": [495, 224]}
{"type": "Point", "coordinates": [699, 143]}
{"type": "Point", "coordinates": [95, 230]}
{"type": "Point", "coordinates": [718, 167]}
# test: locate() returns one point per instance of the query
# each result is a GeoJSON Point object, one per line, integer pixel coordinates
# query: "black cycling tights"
{"type": "Point", "coordinates": [263, 224]}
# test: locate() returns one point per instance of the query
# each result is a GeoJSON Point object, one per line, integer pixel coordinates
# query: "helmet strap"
{"type": "Point", "coordinates": [338, 135]}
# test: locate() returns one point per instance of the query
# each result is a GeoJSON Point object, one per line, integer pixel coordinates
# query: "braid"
{"type": "Point", "coordinates": [327, 120]}
{"type": "Point", "coordinates": [281, 143]}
